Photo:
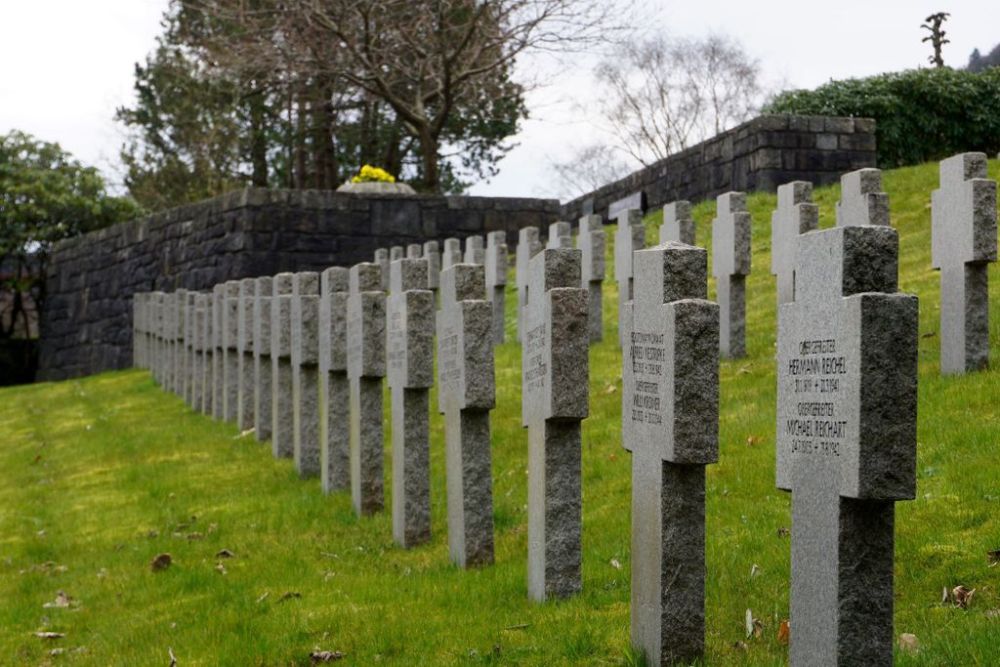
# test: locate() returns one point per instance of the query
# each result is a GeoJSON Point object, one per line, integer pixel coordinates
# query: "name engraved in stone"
{"type": "Point", "coordinates": [817, 429]}
{"type": "Point", "coordinates": [450, 371]}
{"type": "Point", "coordinates": [537, 368]}
{"type": "Point", "coordinates": [397, 341]}
{"type": "Point", "coordinates": [647, 352]}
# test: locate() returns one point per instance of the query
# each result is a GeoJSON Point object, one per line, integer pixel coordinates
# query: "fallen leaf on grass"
{"type": "Point", "coordinates": [784, 631]}
{"type": "Point", "coordinates": [325, 656]}
{"type": "Point", "coordinates": [173, 658]}
{"type": "Point", "coordinates": [519, 626]}
{"type": "Point", "coordinates": [263, 597]}
{"type": "Point", "coordinates": [753, 440]}
{"type": "Point", "coordinates": [62, 601]}
{"type": "Point", "coordinates": [993, 613]}
{"type": "Point", "coordinates": [220, 568]}
{"type": "Point", "coordinates": [225, 553]}
{"type": "Point", "coordinates": [50, 635]}
{"type": "Point", "coordinates": [616, 564]}
{"type": "Point", "coordinates": [962, 596]}
{"type": "Point", "coordinates": [754, 570]}
{"type": "Point", "coordinates": [195, 536]}
{"type": "Point", "coordinates": [753, 626]}
{"type": "Point", "coordinates": [289, 595]}
{"type": "Point", "coordinates": [740, 646]}
{"type": "Point", "coordinates": [161, 562]}
{"type": "Point", "coordinates": [929, 334]}
{"type": "Point", "coordinates": [908, 643]}
{"type": "Point", "coordinates": [243, 434]}
{"type": "Point", "coordinates": [784, 532]}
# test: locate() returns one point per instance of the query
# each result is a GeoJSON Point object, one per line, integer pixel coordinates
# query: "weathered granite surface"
{"type": "Point", "coordinates": [731, 231]}
{"type": "Point", "coordinates": [334, 395]}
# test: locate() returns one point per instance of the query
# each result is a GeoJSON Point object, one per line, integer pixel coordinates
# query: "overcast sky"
{"type": "Point", "coordinates": [67, 64]}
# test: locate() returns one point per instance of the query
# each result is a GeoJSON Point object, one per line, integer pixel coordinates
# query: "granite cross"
{"type": "Point", "coordinates": [466, 394]}
{"type": "Point", "coordinates": [189, 339]}
{"type": "Point", "coordinates": [670, 423]}
{"type": "Point", "coordinates": [630, 235]}
{"type": "Point", "coordinates": [496, 281]}
{"type": "Point", "coordinates": [218, 305]}
{"type": "Point", "coordinates": [862, 201]}
{"type": "Point", "coordinates": [230, 355]}
{"type": "Point", "coordinates": [395, 252]}
{"type": "Point", "coordinates": [554, 400]}
{"type": "Point", "coordinates": [846, 439]}
{"type": "Point", "coordinates": [678, 225]}
{"type": "Point", "coordinates": [590, 240]}
{"type": "Point", "coordinates": [475, 253]}
{"type": "Point", "coordinates": [731, 266]}
{"type": "Point", "coordinates": [560, 235]}
{"type": "Point", "coordinates": [200, 379]}
{"type": "Point", "coordinates": [963, 243]}
{"type": "Point", "coordinates": [795, 215]}
{"type": "Point", "coordinates": [432, 252]}
{"type": "Point", "coordinates": [305, 373]}
{"type": "Point", "coordinates": [528, 245]}
{"type": "Point", "coordinates": [245, 352]}
{"type": "Point", "coordinates": [262, 357]}
{"type": "Point", "coordinates": [334, 401]}
{"type": "Point", "coordinates": [382, 259]}
{"type": "Point", "coordinates": [282, 412]}
{"type": "Point", "coordinates": [414, 251]}
{"type": "Point", "coordinates": [365, 370]}
{"type": "Point", "coordinates": [410, 370]}
{"type": "Point", "coordinates": [452, 253]}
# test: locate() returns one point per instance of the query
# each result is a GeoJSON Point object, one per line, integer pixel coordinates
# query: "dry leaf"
{"type": "Point", "coordinates": [962, 596]}
{"type": "Point", "coordinates": [929, 334]}
{"type": "Point", "coordinates": [616, 564]}
{"type": "Point", "coordinates": [173, 658]}
{"type": "Point", "coordinates": [263, 597]}
{"type": "Point", "coordinates": [754, 571]}
{"type": "Point", "coordinates": [744, 370]}
{"type": "Point", "coordinates": [195, 536]}
{"type": "Point", "coordinates": [610, 389]}
{"type": "Point", "coordinates": [908, 643]}
{"type": "Point", "coordinates": [784, 631]}
{"type": "Point", "coordinates": [993, 557]}
{"type": "Point", "coordinates": [753, 440]}
{"type": "Point", "coordinates": [289, 595]}
{"type": "Point", "coordinates": [220, 568]}
{"type": "Point", "coordinates": [944, 595]}
{"type": "Point", "coordinates": [243, 434]}
{"type": "Point", "coordinates": [784, 532]}
{"type": "Point", "coordinates": [325, 656]}
{"type": "Point", "coordinates": [225, 553]}
{"type": "Point", "coordinates": [161, 562]}
{"type": "Point", "coordinates": [50, 635]}
{"type": "Point", "coordinates": [61, 602]}
{"type": "Point", "coordinates": [740, 646]}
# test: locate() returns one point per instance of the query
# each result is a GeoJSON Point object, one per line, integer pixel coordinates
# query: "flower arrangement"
{"type": "Point", "coordinates": [370, 174]}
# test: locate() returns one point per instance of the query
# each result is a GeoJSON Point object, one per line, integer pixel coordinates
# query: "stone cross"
{"type": "Point", "coordinates": [414, 251]}
{"type": "Point", "coordinates": [432, 253]}
{"type": "Point", "coordinates": [590, 240]}
{"type": "Point", "coordinates": [560, 235]}
{"type": "Point", "coordinates": [190, 332]}
{"type": "Point", "coordinates": [795, 215]}
{"type": "Point", "coordinates": [846, 439]}
{"type": "Point", "coordinates": [282, 383]}
{"type": "Point", "coordinates": [382, 259]}
{"type": "Point", "coordinates": [179, 371]}
{"type": "Point", "coordinates": [245, 354]}
{"type": "Point", "coordinates": [396, 252]}
{"type": "Point", "coordinates": [466, 394]}
{"type": "Point", "coordinates": [554, 399]}
{"type": "Point", "coordinates": [334, 394]}
{"type": "Point", "coordinates": [305, 373]}
{"type": "Point", "coordinates": [630, 235]}
{"type": "Point", "coordinates": [200, 334]}
{"type": "Point", "coordinates": [365, 370]}
{"type": "Point", "coordinates": [452, 253]}
{"type": "Point", "coordinates": [475, 253]}
{"type": "Point", "coordinates": [410, 369]}
{"type": "Point", "coordinates": [731, 266]}
{"type": "Point", "coordinates": [208, 351]}
{"type": "Point", "coordinates": [862, 201]}
{"type": "Point", "coordinates": [528, 245]}
{"type": "Point", "coordinates": [678, 225]}
{"type": "Point", "coordinates": [963, 243]}
{"type": "Point", "coordinates": [166, 326]}
{"type": "Point", "coordinates": [218, 305]}
{"type": "Point", "coordinates": [670, 423]}
{"type": "Point", "coordinates": [263, 391]}
{"type": "Point", "coordinates": [496, 281]}
{"type": "Point", "coordinates": [230, 355]}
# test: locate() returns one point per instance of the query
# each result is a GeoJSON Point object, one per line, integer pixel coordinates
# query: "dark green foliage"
{"type": "Point", "coordinates": [978, 62]}
{"type": "Point", "coordinates": [921, 115]}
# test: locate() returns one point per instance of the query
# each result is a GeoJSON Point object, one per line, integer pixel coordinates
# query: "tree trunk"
{"type": "Point", "coordinates": [258, 138]}
{"type": "Point", "coordinates": [429, 157]}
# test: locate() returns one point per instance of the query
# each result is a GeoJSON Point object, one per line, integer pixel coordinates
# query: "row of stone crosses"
{"type": "Point", "coordinates": [300, 359]}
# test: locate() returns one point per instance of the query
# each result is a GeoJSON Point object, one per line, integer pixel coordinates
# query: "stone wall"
{"type": "Point", "coordinates": [760, 154]}
{"type": "Point", "coordinates": [86, 321]}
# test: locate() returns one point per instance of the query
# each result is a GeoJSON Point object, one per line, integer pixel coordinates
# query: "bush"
{"type": "Point", "coordinates": [921, 115]}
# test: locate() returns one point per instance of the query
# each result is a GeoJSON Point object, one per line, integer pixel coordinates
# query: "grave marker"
{"type": "Point", "coordinates": [963, 243]}
{"type": "Point", "coordinates": [795, 215]}
{"type": "Point", "coordinates": [282, 383]}
{"type": "Point", "coordinates": [474, 251]}
{"type": "Point", "coordinates": [190, 329]}
{"type": "Point", "coordinates": [528, 245]}
{"type": "Point", "coordinates": [334, 393]}
{"type": "Point", "coordinates": [178, 324]}
{"type": "Point", "coordinates": [862, 201]}
{"type": "Point", "coordinates": [846, 441]}
{"type": "Point", "coordinates": [554, 380]}
{"type": "Point", "coordinates": [410, 367]}
{"type": "Point", "coordinates": [496, 281]}
{"type": "Point", "coordinates": [670, 423]}
{"type": "Point", "coordinates": [678, 225]}
{"type": "Point", "coordinates": [630, 235]}
{"type": "Point", "coordinates": [263, 390]}
{"type": "Point", "coordinates": [432, 253]}
{"type": "Point", "coordinates": [590, 240]}
{"type": "Point", "coordinates": [731, 266]}
{"type": "Point", "coordinates": [466, 394]}
{"type": "Point", "coordinates": [452, 253]}
{"type": "Point", "coordinates": [305, 373]}
{"type": "Point", "coordinates": [636, 200]}
{"type": "Point", "coordinates": [201, 336]}
{"type": "Point", "coordinates": [245, 354]}
{"type": "Point", "coordinates": [218, 305]}
{"type": "Point", "coordinates": [382, 259]}
{"type": "Point", "coordinates": [230, 355]}
{"type": "Point", "coordinates": [365, 369]}
{"type": "Point", "coordinates": [560, 235]}
{"type": "Point", "coordinates": [414, 251]}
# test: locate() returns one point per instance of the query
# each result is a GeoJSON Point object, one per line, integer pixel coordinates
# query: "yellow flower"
{"type": "Point", "coordinates": [370, 174]}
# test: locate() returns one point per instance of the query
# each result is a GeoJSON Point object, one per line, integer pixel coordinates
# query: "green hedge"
{"type": "Point", "coordinates": [921, 115]}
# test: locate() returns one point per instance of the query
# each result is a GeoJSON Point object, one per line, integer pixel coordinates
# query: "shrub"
{"type": "Point", "coordinates": [921, 115]}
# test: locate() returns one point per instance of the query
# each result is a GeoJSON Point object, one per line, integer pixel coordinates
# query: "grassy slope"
{"type": "Point", "coordinates": [98, 476]}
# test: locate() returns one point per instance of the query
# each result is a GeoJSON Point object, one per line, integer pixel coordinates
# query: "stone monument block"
{"type": "Point", "coordinates": [554, 400]}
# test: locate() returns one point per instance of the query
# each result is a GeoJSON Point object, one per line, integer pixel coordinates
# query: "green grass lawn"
{"type": "Point", "coordinates": [99, 475]}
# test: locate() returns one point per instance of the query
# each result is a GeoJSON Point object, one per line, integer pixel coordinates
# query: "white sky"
{"type": "Point", "coordinates": [65, 65]}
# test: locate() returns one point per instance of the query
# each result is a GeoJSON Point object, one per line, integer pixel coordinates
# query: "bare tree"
{"type": "Point", "coordinates": [660, 96]}
{"type": "Point", "coordinates": [934, 24]}
{"type": "Point", "coordinates": [587, 169]}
